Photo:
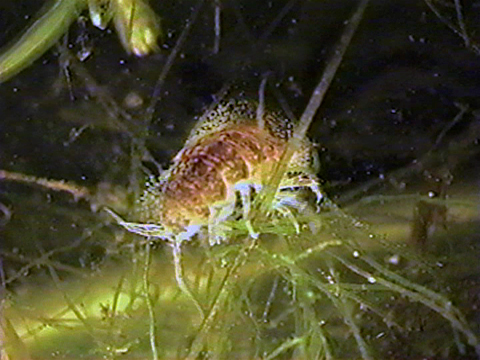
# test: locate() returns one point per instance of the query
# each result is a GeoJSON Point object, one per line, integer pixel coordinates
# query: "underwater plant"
{"type": "Point", "coordinates": [136, 24]}
{"type": "Point", "coordinates": [276, 268]}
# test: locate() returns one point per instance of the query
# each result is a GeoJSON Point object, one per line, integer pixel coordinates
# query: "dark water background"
{"type": "Point", "coordinates": [401, 83]}
{"type": "Point", "coordinates": [401, 77]}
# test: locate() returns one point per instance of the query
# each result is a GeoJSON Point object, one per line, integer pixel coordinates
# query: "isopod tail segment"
{"type": "Point", "coordinates": [153, 231]}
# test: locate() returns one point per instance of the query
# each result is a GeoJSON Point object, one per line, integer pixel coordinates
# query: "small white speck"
{"type": "Point", "coordinates": [394, 259]}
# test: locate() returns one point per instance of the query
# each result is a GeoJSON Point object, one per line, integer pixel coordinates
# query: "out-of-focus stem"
{"type": "Point", "coordinates": [47, 28]}
{"type": "Point", "coordinates": [137, 25]}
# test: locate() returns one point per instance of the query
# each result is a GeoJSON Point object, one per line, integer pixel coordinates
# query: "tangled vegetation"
{"type": "Point", "coordinates": [324, 286]}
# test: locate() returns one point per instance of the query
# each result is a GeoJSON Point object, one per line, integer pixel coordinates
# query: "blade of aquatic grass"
{"type": "Point", "coordinates": [374, 199]}
{"type": "Point", "coordinates": [45, 30]}
{"type": "Point", "coordinates": [458, 30]}
{"type": "Point", "coordinates": [316, 345]}
{"type": "Point", "coordinates": [116, 296]}
{"type": "Point", "coordinates": [178, 265]}
{"type": "Point", "coordinates": [75, 310]}
{"type": "Point", "coordinates": [44, 259]}
{"type": "Point", "coordinates": [134, 280]}
{"type": "Point", "coordinates": [351, 230]}
{"type": "Point", "coordinates": [301, 277]}
{"type": "Point", "coordinates": [33, 262]}
{"type": "Point", "coordinates": [218, 301]}
{"type": "Point", "coordinates": [70, 303]}
{"type": "Point", "coordinates": [346, 290]}
{"type": "Point", "coordinates": [249, 312]}
{"type": "Point", "coordinates": [347, 312]}
{"type": "Point", "coordinates": [283, 347]}
{"type": "Point", "coordinates": [11, 345]}
{"type": "Point", "coordinates": [380, 280]}
{"type": "Point", "coordinates": [416, 293]}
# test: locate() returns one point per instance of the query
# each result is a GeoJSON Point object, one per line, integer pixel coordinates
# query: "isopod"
{"type": "Point", "coordinates": [227, 159]}
{"type": "Point", "coordinates": [229, 156]}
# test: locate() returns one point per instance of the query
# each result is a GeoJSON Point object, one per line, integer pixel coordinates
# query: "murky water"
{"type": "Point", "coordinates": [381, 278]}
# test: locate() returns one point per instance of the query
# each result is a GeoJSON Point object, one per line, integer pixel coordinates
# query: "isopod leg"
{"type": "Point", "coordinates": [303, 181]}
{"type": "Point", "coordinates": [245, 191]}
{"type": "Point", "coordinates": [147, 230]}
{"type": "Point", "coordinates": [179, 277]}
{"type": "Point", "coordinates": [286, 212]}
{"type": "Point", "coordinates": [216, 230]}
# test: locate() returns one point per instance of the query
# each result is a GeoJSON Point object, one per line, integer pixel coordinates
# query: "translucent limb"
{"type": "Point", "coordinates": [286, 212]}
{"type": "Point", "coordinates": [245, 191]}
{"type": "Point", "coordinates": [303, 180]}
{"type": "Point", "coordinates": [151, 312]}
{"type": "Point", "coordinates": [147, 230]}
{"type": "Point", "coordinates": [158, 231]}
{"type": "Point", "coordinates": [216, 230]}
{"type": "Point", "coordinates": [179, 277]}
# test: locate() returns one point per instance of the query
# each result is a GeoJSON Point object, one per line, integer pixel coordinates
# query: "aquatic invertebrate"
{"type": "Point", "coordinates": [228, 157]}
{"type": "Point", "coordinates": [239, 147]}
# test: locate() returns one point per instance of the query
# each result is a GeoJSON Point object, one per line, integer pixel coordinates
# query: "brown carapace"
{"type": "Point", "coordinates": [229, 157]}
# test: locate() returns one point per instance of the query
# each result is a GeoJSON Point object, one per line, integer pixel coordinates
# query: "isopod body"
{"type": "Point", "coordinates": [227, 159]}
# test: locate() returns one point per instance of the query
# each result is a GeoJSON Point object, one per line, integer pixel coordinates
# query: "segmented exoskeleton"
{"type": "Point", "coordinates": [227, 158]}
{"type": "Point", "coordinates": [230, 156]}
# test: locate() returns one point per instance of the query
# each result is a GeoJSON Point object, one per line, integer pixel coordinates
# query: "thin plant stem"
{"type": "Point", "coordinates": [116, 296]}
{"type": "Point", "coordinates": [169, 63]}
{"type": "Point", "coordinates": [266, 196]}
{"type": "Point", "coordinates": [78, 192]}
{"type": "Point", "coordinates": [223, 290]}
{"type": "Point", "coordinates": [218, 26]}
{"type": "Point", "coordinates": [461, 23]}
{"type": "Point", "coordinates": [284, 347]}
{"type": "Point", "coordinates": [472, 46]}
